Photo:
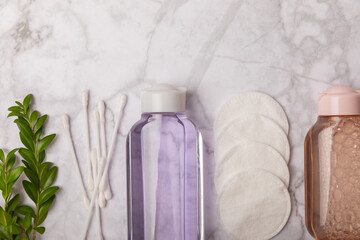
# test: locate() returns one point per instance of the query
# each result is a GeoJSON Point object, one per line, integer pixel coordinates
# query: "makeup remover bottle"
{"type": "Point", "coordinates": [164, 170]}
{"type": "Point", "coordinates": [332, 167]}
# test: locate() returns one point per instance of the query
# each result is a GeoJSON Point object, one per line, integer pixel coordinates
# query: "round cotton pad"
{"type": "Point", "coordinates": [254, 205]}
{"type": "Point", "coordinates": [248, 103]}
{"type": "Point", "coordinates": [253, 128]}
{"type": "Point", "coordinates": [248, 157]}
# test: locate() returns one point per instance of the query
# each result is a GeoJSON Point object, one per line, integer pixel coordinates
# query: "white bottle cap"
{"type": "Point", "coordinates": [163, 98]}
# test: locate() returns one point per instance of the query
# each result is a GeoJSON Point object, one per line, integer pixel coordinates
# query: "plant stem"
{"type": "Point", "coordinates": [37, 170]}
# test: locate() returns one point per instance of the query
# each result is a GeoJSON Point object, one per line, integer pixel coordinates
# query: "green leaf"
{"type": "Point", "coordinates": [38, 134]}
{"type": "Point", "coordinates": [29, 165]}
{"type": "Point", "coordinates": [14, 229]}
{"type": "Point", "coordinates": [45, 207]}
{"type": "Point", "coordinates": [8, 217]}
{"type": "Point", "coordinates": [33, 117]}
{"type": "Point", "coordinates": [3, 233]}
{"type": "Point", "coordinates": [11, 154]}
{"type": "Point", "coordinates": [43, 168]}
{"type": "Point", "coordinates": [2, 156]}
{"type": "Point", "coordinates": [3, 217]}
{"type": "Point", "coordinates": [27, 142]}
{"type": "Point", "coordinates": [25, 210]}
{"type": "Point", "coordinates": [10, 163]}
{"type": "Point", "coordinates": [16, 114]}
{"type": "Point", "coordinates": [4, 194]}
{"type": "Point", "coordinates": [48, 178]}
{"type": "Point", "coordinates": [24, 128]}
{"type": "Point", "coordinates": [31, 191]}
{"type": "Point", "coordinates": [14, 219]}
{"type": "Point", "coordinates": [41, 156]}
{"type": "Point", "coordinates": [43, 143]}
{"type": "Point", "coordinates": [2, 184]}
{"type": "Point", "coordinates": [13, 203]}
{"type": "Point", "coordinates": [27, 100]}
{"type": "Point", "coordinates": [27, 155]}
{"type": "Point", "coordinates": [46, 194]}
{"type": "Point", "coordinates": [32, 176]}
{"type": "Point", "coordinates": [41, 219]}
{"type": "Point", "coordinates": [26, 222]}
{"type": "Point", "coordinates": [19, 103]}
{"type": "Point", "coordinates": [15, 109]}
{"type": "Point", "coordinates": [15, 174]}
{"type": "Point", "coordinates": [10, 185]}
{"type": "Point", "coordinates": [28, 232]}
{"type": "Point", "coordinates": [40, 230]}
{"type": "Point", "coordinates": [39, 123]}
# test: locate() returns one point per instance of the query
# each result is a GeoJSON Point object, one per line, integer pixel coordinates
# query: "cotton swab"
{"type": "Point", "coordinates": [102, 200]}
{"type": "Point", "coordinates": [122, 102]}
{"type": "Point", "coordinates": [95, 163]}
{"type": "Point", "coordinates": [85, 102]}
{"type": "Point", "coordinates": [101, 109]}
{"type": "Point", "coordinates": [97, 132]}
{"type": "Point", "coordinates": [101, 106]}
{"type": "Point", "coordinates": [96, 166]}
{"type": "Point", "coordinates": [66, 125]}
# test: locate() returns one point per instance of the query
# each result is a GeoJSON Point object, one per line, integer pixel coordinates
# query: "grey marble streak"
{"type": "Point", "coordinates": [290, 49]}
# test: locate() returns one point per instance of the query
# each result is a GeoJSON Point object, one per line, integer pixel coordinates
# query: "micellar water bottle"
{"type": "Point", "coordinates": [164, 170]}
{"type": "Point", "coordinates": [332, 167]}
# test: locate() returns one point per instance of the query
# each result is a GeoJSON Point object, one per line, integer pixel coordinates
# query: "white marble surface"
{"type": "Point", "coordinates": [290, 49]}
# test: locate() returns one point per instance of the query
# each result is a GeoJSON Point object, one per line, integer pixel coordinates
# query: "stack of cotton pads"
{"type": "Point", "coordinates": [252, 176]}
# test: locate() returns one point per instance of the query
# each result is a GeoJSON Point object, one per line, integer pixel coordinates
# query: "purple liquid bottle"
{"type": "Point", "coordinates": [164, 170]}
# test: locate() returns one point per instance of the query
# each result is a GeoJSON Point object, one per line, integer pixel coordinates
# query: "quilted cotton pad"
{"type": "Point", "coordinates": [251, 156]}
{"type": "Point", "coordinates": [254, 205]}
{"type": "Point", "coordinates": [248, 103]}
{"type": "Point", "coordinates": [253, 128]}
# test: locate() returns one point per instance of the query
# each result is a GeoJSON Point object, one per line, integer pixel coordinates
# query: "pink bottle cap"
{"type": "Point", "coordinates": [339, 100]}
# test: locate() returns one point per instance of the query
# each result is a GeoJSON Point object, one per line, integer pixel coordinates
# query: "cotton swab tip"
{"type": "Point", "coordinates": [107, 193]}
{"type": "Point", "coordinates": [85, 98]}
{"type": "Point", "coordinates": [65, 121]}
{"type": "Point", "coordinates": [86, 202]}
{"type": "Point", "coordinates": [122, 101]}
{"type": "Point", "coordinates": [101, 106]}
{"type": "Point", "coordinates": [96, 115]}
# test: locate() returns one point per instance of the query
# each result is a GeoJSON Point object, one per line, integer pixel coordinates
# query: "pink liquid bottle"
{"type": "Point", "coordinates": [332, 167]}
{"type": "Point", "coordinates": [164, 170]}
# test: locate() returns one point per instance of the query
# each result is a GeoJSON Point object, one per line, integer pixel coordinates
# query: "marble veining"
{"type": "Point", "coordinates": [290, 49]}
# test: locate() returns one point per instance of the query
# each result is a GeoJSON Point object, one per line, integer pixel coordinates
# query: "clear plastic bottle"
{"type": "Point", "coordinates": [164, 170]}
{"type": "Point", "coordinates": [332, 167]}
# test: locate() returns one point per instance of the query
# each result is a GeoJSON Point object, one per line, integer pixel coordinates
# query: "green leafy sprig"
{"type": "Point", "coordinates": [9, 228]}
{"type": "Point", "coordinates": [40, 173]}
